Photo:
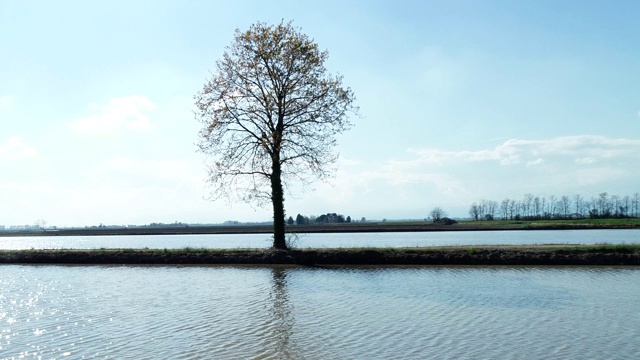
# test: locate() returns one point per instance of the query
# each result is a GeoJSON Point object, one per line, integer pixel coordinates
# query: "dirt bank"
{"type": "Point", "coordinates": [509, 255]}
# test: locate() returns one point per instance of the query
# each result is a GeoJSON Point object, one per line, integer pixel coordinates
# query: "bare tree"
{"type": "Point", "coordinates": [41, 224]}
{"type": "Point", "coordinates": [543, 207]}
{"type": "Point", "coordinates": [578, 201]}
{"type": "Point", "coordinates": [616, 210]}
{"type": "Point", "coordinates": [537, 206]}
{"type": "Point", "coordinates": [475, 211]}
{"type": "Point", "coordinates": [437, 214]}
{"type": "Point", "coordinates": [603, 205]}
{"type": "Point", "coordinates": [527, 201]}
{"type": "Point", "coordinates": [514, 209]}
{"type": "Point", "coordinates": [504, 208]}
{"type": "Point", "coordinates": [626, 205]}
{"type": "Point", "coordinates": [565, 206]}
{"type": "Point", "coordinates": [553, 207]}
{"type": "Point", "coordinates": [270, 115]}
{"type": "Point", "coordinates": [488, 208]}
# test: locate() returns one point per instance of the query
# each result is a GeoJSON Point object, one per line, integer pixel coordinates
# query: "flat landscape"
{"type": "Point", "coordinates": [603, 254]}
{"type": "Point", "coordinates": [383, 226]}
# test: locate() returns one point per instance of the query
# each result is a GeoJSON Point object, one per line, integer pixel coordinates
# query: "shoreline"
{"type": "Point", "coordinates": [514, 255]}
{"type": "Point", "coordinates": [325, 228]}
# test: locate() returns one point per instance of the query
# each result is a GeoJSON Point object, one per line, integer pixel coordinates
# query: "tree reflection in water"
{"type": "Point", "coordinates": [282, 317]}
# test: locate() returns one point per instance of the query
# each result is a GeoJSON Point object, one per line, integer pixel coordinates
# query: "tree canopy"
{"type": "Point", "coordinates": [270, 116]}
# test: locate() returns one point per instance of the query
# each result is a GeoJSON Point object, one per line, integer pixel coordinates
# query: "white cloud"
{"type": "Point", "coordinates": [574, 164]}
{"type": "Point", "coordinates": [88, 203]}
{"type": "Point", "coordinates": [125, 113]}
{"type": "Point", "coordinates": [586, 160]}
{"type": "Point", "coordinates": [581, 149]}
{"type": "Point", "coordinates": [348, 162]}
{"type": "Point", "coordinates": [6, 101]}
{"type": "Point", "coordinates": [535, 162]}
{"type": "Point", "coordinates": [144, 171]}
{"type": "Point", "coordinates": [535, 165]}
{"type": "Point", "coordinates": [16, 148]}
{"type": "Point", "coordinates": [119, 190]}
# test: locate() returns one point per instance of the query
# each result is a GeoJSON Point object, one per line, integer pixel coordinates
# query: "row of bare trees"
{"type": "Point", "coordinates": [532, 207]}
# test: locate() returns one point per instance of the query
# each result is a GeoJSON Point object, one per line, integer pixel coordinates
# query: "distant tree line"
{"type": "Point", "coordinates": [321, 219]}
{"type": "Point", "coordinates": [532, 207]}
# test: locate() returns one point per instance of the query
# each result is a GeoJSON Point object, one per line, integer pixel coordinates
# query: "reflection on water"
{"type": "Point", "coordinates": [134, 312]}
{"type": "Point", "coordinates": [335, 240]}
{"type": "Point", "coordinates": [282, 317]}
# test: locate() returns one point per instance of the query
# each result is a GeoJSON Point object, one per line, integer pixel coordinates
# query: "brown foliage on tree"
{"type": "Point", "coordinates": [270, 115]}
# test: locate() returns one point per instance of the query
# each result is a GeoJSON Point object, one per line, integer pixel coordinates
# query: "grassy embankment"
{"type": "Point", "coordinates": [604, 254]}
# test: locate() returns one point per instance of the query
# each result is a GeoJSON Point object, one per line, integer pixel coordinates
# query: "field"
{"type": "Point", "coordinates": [382, 226]}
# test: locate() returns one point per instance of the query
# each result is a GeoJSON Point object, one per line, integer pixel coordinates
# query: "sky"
{"type": "Point", "coordinates": [459, 101]}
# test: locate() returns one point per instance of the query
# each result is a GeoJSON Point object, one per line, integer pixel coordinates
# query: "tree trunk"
{"type": "Point", "coordinates": [277, 197]}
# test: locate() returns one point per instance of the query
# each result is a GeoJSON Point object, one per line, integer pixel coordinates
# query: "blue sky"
{"type": "Point", "coordinates": [460, 101]}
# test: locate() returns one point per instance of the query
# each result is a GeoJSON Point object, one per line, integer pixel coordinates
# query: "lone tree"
{"type": "Point", "coordinates": [270, 115]}
{"type": "Point", "coordinates": [437, 214]}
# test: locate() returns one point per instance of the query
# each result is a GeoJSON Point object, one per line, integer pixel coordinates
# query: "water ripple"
{"type": "Point", "coordinates": [123, 312]}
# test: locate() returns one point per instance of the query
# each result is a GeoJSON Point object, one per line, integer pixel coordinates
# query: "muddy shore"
{"type": "Point", "coordinates": [505, 255]}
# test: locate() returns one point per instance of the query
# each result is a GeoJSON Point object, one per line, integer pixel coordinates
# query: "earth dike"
{"type": "Point", "coordinates": [484, 255]}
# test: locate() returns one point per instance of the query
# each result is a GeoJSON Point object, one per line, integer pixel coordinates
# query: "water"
{"type": "Point", "coordinates": [195, 312]}
{"type": "Point", "coordinates": [138, 312]}
{"type": "Point", "coordinates": [337, 240]}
